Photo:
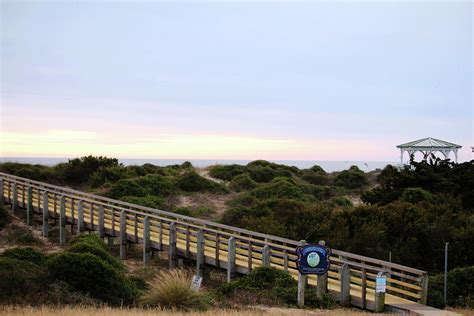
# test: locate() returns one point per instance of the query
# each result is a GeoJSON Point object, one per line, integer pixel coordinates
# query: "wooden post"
{"type": "Point", "coordinates": [146, 240]}
{"type": "Point", "coordinates": [80, 216]}
{"type": "Point", "coordinates": [200, 253]}
{"type": "Point", "coordinates": [62, 221]}
{"type": "Point", "coordinates": [9, 192]}
{"type": "Point", "coordinates": [172, 251]}
{"type": "Point", "coordinates": [302, 280]}
{"type": "Point", "coordinates": [101, 222]}
{"type": "Point", "coordinates": [123, 234]}
{"type": "Point", "coordinates": [379, 304]}
{"type": "Point", "coordinates": [322, 280]}
{"type": "Point", "coordinates": [266, 256]}
{"type": "Point", "coordinates": [2, 203]}
{"type": "Point", "coordinates": [364, 288]}
{"type": "Point", "coordinates": [230, 259]}
{"type": "Point", "coordinates": [345, 285]}
{"type": "Point", "coordinates": [424, 288]}
{"type": "Point", "coordinates": [15, 198]}
{"type": "Point", "coordinates": [29, 207]}
{"type": "Point", "coordinates": [45, 214]}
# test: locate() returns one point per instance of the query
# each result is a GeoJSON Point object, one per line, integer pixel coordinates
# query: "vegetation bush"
{"type": "Point", "coordinates": [314, 177]}
{"type": "Point", "coordinates": [279, 188]}
{"type": "Point", "coordinates": [155, 184]}
{"type": "Point", "coordinates": [227, 172]}
{"type": "Point", "coordinates": [20, 235]}
{"type": "Point", "coordinates": [126, 187]}
{"type": "Point", "coordinates": [190, 181]}
{"type": "Point", "coordinates": [171, 289]}
{"type": "Point", "coordinates": [34, 172]}
{"type": "Point", "coordinates": [272, 285]}
{"type": "Point", "coordinates": [415, 195]}
{"type": "Point", "coordinates": [148, 201]}
{"type": "Point", "coordinates": [27, 254]}
{"type": "Point", "coordinates": [460, 288]}
{"type": "Point", "coordinates": [354, 178]}
{"type": "Point", "coordinates": [84, 247]}
{"type": "Point", "coordinates": [242, 182]}
{"type": "Point", "coordinates": [4, 217]}
{"type": "Point", "coordinates": [18, 278]}
{"type": "Point", "coordinates": [266, 174]}
{"type": "Point", "coordinates": [111, 174]}
{"type": "Point", "coordinates": [90, 239]}
{"type": "Point", "coordinates": [79, 170]}
{"type": "Point", "coordinates": [92, 275]}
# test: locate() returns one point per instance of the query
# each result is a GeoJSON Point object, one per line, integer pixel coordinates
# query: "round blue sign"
{"type": "Point", "coordinates": [313, 259]}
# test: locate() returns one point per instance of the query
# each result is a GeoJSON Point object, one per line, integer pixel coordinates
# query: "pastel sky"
{"type": "Point", "coordinates": [240, 80]}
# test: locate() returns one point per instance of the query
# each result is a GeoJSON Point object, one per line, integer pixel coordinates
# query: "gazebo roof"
{"type": "Point", "coordinates": [429, 143]}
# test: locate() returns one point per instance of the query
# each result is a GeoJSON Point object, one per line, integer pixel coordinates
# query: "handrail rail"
{"type": "Point", "coordinates": [237, 231]}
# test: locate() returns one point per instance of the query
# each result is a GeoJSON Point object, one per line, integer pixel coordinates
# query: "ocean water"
{"type": "Point", "coordinates": [329, 166]}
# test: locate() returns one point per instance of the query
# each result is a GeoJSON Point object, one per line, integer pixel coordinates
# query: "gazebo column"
{"type": "Point", "coordinates": [455, 155]}
{"type": "Point", "coordinates": [401, 155]}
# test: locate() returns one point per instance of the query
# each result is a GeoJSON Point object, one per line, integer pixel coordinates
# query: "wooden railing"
{"type": "Point", "coordinates": [235, 249]}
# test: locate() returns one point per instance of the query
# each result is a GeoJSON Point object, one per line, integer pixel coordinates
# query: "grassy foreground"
{"type": "Point", "coordinates": [107, 311]}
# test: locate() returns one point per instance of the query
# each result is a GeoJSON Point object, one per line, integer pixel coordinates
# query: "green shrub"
{"type": "Point", "coordinates": [227, 172]}
{"type": "Point", "coordinates": [267, 174]}
{"type": "Point", "coordinates": [282, 188]}
{"type": "Point", "coordinates": [4, 217]}
{"type": "Point", "coordinates": [90, 239]}
{"type": "Point", "coordinates": [192, 182]}
{"type": "Point", "coordinates": [110, 175]}
{"type": "Point", "coordinates": [268, 283]}
{"type": "Point", "coordinates": [171, 289]}
{"type": "Point", "coordinates": [148, 201]}
{"type": "Point", "coordinates": [460, 288]}
{"type": "Point", "coordinates": [27, 254]}
{"type": "Point", "coordinates": [155, 184]}
{"type": "Point", "coordinates": [415, 195]}
{"type": "Point", "coordinates": [242, 182]}
{"type": "Point", "coordinates": [18, 278]}
{"type": "Point", "coordinates": [84, 247]}
{"type": "Point", "coordinates": [354, 178]}
{"type": "Point", "coordinates": [79, 170]}
{"type": "Point", "coordinates": [126, 187]}
{"type": "Point", "coordinates": [93, 276]}
{"type": "Point", "coordinates": [318, 178]}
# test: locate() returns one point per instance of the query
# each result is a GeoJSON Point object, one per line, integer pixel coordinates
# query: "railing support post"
{"type": "Point", "coordinates": [266, 256]}
{"type": "Point", "coordinates": [322, 280]}
{"type": "Point", "coordinates": [424, 288]}
{"type": "Point", "coordinates": [2, 203]}
{"type": "Point", "coordinates": [302, 281]}
{"type": "Point", "coordinates": [123, 234]}
{"type": "Point", "coordinates": [146, 240]}
{"type": "Point", "coordinates": [29, 207]}
{"type": "Point", "coordinates": [101, 222]}
{"type": "Point", "coordinates": [230, 259]}
{"type": "Point", "coordinates": [62, 221]}
{"type": "Point", "coordinates": [45, 214]}
{"type": "Point", "coordinates": [200, 253]}
{"type": "Point", "coordinates": [15, 198]}
{"type": "Point", "coordinates": [80, 216]}
{"type": "Point", "coordinates": [345, 285]}
{"type": "Point", "coordinates": [364, 289]}
{"type": "Point", "coordinates": [172, 251]}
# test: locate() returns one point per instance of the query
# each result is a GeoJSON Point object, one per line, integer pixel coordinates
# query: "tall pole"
{"type": "Point", "coordinates": [446, 273]}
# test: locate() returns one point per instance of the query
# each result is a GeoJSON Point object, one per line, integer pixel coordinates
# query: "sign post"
{"type": "Point", "coordinates": [312, 259]}
{"type": "Point", "coordinates": [380, 289]}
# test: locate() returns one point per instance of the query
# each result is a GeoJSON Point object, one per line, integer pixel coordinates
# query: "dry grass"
{"type": "Point", "coordinates": [107, 311]}
{"type": "Point", "coordinates": [171, 289]}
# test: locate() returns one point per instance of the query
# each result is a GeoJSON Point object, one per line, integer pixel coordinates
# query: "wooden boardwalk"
{"type": "Point", "coordinates": [350, 279]}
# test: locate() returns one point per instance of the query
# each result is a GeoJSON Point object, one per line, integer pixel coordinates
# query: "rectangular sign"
{"type": "Point", "coordinates": [380, 284]}
{"type": "Point", "coordinates": [196, 283]}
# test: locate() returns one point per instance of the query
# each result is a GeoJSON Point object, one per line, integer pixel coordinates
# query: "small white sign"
{"type": "Point", "coordinates": [380, 284]}
{"type": "Point", "coordinates": [196, 283]}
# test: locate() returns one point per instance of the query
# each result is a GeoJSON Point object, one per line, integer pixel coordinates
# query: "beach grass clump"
{"type": "Point", "coordinates": [171, 289]}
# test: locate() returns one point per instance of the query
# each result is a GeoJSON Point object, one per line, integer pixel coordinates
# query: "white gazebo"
{"type": "Point", "coordinates": [427, 146]}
